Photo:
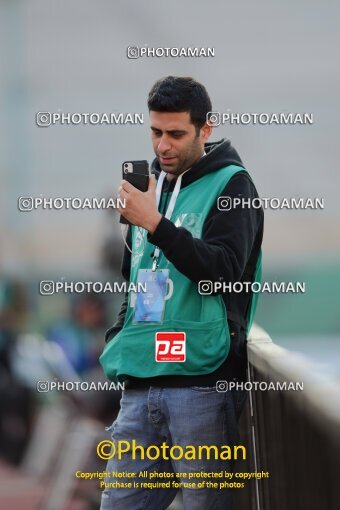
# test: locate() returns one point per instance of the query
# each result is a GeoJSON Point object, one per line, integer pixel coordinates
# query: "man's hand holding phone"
{"type": "Point", "coordinates": [140, 207]}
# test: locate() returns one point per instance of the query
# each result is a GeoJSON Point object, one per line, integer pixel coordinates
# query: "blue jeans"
{"type": "Point", "coordinates": [178, 416]}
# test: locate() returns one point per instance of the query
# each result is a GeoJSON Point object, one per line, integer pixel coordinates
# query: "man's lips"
{"type": "Point", "coordinates": [165, 160]}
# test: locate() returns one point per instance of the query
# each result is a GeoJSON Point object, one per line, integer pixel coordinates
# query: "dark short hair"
{"type": "Point", "coordinates": [181, 94]}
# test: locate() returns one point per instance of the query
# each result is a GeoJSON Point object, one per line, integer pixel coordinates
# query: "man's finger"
{"type": "Point", "coordinates": [152, 184]}
{"type": "Point", "coordinates": [126, 186]}
{"type": "Point", "coordinates": [123, 193]}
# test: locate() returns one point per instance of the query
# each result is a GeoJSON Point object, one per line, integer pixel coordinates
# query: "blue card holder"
{"type": "Point", "coordinates": [150, 304]}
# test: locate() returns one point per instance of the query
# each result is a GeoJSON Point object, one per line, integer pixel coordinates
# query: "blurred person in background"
{"type": "Point", "coordinates": [80, 338]}
{"type": "Point", "coordinates": [16, 400]}
{"type": "Point", "coordinates": [79, 335]}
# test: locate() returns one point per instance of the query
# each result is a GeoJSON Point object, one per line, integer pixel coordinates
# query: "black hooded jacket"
{"type": "Point", "coordinates": [227, 252]}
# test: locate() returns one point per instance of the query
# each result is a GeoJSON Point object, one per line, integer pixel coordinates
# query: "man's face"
{"type": "Point", "coordinates": [175, 142]}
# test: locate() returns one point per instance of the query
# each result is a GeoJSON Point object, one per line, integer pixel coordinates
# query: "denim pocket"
{"type": "Point", "coordinates": [240, 397]}
{"type": "Point", "coordinates": [204, 389]}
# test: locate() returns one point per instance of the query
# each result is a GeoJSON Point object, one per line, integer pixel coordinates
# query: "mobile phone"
{"type": "Point", "coordinates": [137, 174]}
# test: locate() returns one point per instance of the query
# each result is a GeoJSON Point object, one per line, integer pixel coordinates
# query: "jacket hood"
{"type": "Point", "coordinates": [218, 155]}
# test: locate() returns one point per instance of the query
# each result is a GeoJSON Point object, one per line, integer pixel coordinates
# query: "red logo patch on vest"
{"type": "Point", "coordinates": [170, 346]}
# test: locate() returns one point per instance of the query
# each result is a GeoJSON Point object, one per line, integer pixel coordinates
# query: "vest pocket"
{"type": "Point", "coordinates": [132, 352]}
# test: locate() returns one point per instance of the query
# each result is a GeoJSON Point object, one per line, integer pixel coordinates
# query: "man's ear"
{"type": "Point", "coordinates": [205, 132]}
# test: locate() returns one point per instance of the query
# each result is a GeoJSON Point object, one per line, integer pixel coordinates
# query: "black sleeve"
{"type": "Point", "coordinates": [125, 269]}
{"type": "Point", "coordinates": [227, 238]}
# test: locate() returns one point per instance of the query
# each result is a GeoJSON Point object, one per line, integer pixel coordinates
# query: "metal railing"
{"type": "Point", "coordinates": [293, 435]}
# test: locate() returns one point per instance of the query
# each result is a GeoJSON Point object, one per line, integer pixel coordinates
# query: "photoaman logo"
{"type": "Point", "coordinates": [170, 346]}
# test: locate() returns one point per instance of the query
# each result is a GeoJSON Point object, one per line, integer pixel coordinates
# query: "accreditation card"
{"type": "Point", "coordinates": [150, 304]}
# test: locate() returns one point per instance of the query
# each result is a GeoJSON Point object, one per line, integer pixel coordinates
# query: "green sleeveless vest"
{"type": "Point", "coordinates": [203, 318]}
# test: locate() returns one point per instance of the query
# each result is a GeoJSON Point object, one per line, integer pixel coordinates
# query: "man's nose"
{"type": "Point", "coordinates": [164, 145]}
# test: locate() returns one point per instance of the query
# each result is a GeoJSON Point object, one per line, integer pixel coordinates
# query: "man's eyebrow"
{"type": "Point", "coordinates": [171, 131]}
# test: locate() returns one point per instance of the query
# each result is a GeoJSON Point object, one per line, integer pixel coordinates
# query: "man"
{"type": "Point", "coordinates": [179, 234]}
